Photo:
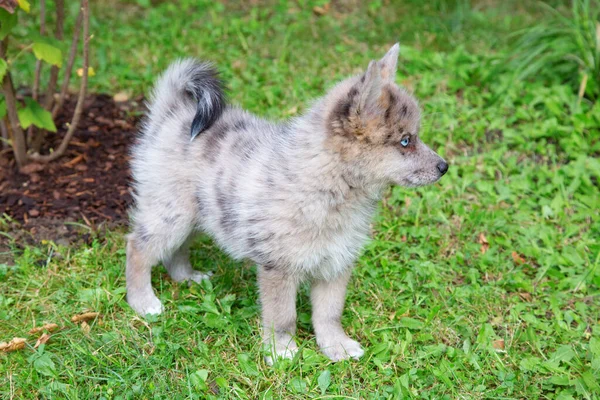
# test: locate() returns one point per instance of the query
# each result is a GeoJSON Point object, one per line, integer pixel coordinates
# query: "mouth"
{"type": "Point", "coordinates": [419, 179]}
{"type": "Point", "coordinates": [413, 181]}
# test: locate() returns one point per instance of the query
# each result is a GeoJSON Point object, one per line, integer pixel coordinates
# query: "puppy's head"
{"type": "Point", "coordinates": [374, 125]}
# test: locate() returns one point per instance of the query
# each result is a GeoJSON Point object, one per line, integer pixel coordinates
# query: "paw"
{"type": "Point", "coordinates": [285, 347]}
{"type": "Point", "coordinates": [287, 353]}
{"type": "Point", "coordinates": [342, 349]}
{"type": "Point", "coordinates": [145, 304]}
{"type": "Point", "coordinates": [198, 276]}
{"type": "Point", "coordinates": [189, 275]}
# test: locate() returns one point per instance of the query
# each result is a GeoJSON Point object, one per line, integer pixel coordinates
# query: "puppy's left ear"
{"type": "Point", "coordinates": [389, 63]}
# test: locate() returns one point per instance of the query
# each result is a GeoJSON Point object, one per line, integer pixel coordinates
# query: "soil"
{"type": "Point", "coordinates": [87, 189]}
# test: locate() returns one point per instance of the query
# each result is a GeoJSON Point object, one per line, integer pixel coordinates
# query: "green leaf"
{"type": "Point", "coordinates": [7, 22]}
{"type": "Point", "coordinates": [298, 385]}
{"type": "Point", "coordinates": [247, 365]}
{"type": "Point", "coordinates": [324, 381]}
{"type": "Point", "coordinates": [47, 52]}
{"type": "Point", "coordinates": [590, 381]}
{"type": "Point", "coordinates": [3, 69]}
{"type": "Point", "coordinates": [24, 4]}
{"type": "Point", "coordinates": [580, 388]}
{"type": "Point", "coordinates": [595, 346]}
{"type": "Point", "coordinates": [44, 365]}
{"type": "Point", "coordinates": [562, 380]}
{"type": "Point", "coordinates": [209, 305]}
{"type": "Point", "coordinates": [34, 114]}
{"type": "Point", "coordinates": [411, 323]}
{"type": "Point", "coordinates": [530, 364]}
{"type": "Point", "coordinates": [563, 353]}
{"type": "Point", "coordinates": [565, 395]}
{"type": "Point", "coordinates": [202, 374]}
{"type": "Point", "coordinates": [2, 109]}
{"type": "Point", "coordinates": [485, 334]}
{"type": "Point", "coordinates": [198, 379]}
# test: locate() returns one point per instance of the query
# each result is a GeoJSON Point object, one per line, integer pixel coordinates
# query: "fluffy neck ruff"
{"type": "Point", "coordinates": [316, 151]}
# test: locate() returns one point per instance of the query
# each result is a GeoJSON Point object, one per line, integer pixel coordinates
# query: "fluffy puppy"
{"type": "Point", "coordinates": [295, 197]}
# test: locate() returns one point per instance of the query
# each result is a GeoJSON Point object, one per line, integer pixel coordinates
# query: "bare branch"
{"type": "Point", "coordinates": [60, 19]}
{"type": "Point", "coordinates": [18, 137]}
{"type": "Point", "coordinates": [33, 134]}
{"type": "Point", "coordinates": [36, 79]}
{"type": "Point", "coordinates": [35, 137]}
{"type": "Point", "coordinates": [82, 90]}
{"type": "Point", "coordinates": [4, 131]}
{"type": "Point", "coordinates": [38, 63]}
{"type": "Point", "coordinates": [69, 67]}
{"type": "Point", "coordinates": [60, 22]}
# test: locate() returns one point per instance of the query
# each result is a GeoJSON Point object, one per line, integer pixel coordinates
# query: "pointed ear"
{"type": "Point", "coordinates": [371, 90]}
{"type": "Point", "coordinates": [389, 63]}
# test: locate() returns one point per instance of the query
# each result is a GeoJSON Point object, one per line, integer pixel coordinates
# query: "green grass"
{"type": "Point", "coordinates": [429, 306]}
{"type": "Point", "coordinates": [568, 42]}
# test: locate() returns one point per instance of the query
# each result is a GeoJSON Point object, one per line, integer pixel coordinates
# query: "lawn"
{"type": "Point", "coordinates": [486, 285]}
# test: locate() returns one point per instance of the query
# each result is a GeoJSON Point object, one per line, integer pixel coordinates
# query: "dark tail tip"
{"type": "Point", "coordinates": [208, 91]}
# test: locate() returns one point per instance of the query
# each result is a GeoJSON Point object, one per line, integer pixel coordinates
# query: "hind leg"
{"type": "Point", "coordinates": [154, 238]}
{"type": "Point", "coordinates": [140, 295]}
{"type": "Point", "coordinates": [179, 266]}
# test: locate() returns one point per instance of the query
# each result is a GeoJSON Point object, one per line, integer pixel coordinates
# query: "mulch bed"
{"type": "Point", "coordinates": [88, 185]}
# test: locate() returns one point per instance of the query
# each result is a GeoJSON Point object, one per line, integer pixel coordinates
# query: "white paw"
{"type": "Point", "coordinates": [284, 346]}
{"type": "Point", "coordinates": [198, 276]}
{"type": "Point", "coordinates": [288, 353]}
{"type": "Point", "coordinates": [145, 304]}
{"type": "Point", "coordinates": [342, 349]}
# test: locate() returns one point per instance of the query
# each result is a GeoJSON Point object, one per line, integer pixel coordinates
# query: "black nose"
{"type": "Point", "coordinates": [442, 167]}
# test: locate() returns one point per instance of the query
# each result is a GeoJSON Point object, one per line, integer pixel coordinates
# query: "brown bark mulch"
{"type": "Point", "coordinates": [89, 185]}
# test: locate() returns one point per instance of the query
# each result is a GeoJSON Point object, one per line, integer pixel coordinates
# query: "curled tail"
{"type": "Point", "coordinates": [189, 83]}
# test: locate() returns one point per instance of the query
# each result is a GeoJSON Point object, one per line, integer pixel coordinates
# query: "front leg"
{"type": "Point", "coordinates": [327, 299]}
{"type": "Point", "coordinates": [278, 299]}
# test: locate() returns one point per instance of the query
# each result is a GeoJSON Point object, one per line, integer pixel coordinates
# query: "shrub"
{"type": "Point", "coordinates": [564, 46]}
{"type": "Point", "coordinates": [24, 122]}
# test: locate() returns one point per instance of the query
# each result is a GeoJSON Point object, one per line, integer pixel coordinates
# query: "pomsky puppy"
{"type": "Point", "coordinates": [296, 198]}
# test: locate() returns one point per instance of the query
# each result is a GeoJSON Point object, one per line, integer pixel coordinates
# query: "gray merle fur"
{"type": "Point", "coordinates": [297, 198]}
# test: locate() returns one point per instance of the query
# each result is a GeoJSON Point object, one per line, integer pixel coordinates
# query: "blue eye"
{"type": "Point", "coordinates": [405, 141]}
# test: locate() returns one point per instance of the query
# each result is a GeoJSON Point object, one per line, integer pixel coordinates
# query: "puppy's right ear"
{"type": "Point", "coordinates": [370, 92]}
